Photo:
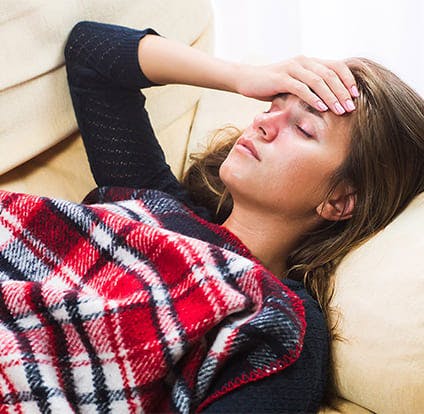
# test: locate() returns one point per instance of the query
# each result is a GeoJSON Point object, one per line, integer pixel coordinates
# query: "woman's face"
{"type": "Point", "coordinates": [283, 161]}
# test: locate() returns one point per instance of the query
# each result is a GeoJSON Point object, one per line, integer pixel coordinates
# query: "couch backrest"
{"type": "Point", "coordinates": [35, 106]}
{"type": "Point", "coordinates": [380, 298]}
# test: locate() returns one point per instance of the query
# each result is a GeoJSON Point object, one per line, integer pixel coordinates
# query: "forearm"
{"type": "Point", "coordinates": [166, 61]}
{"type": "Point", "coordinates": [322, 84]}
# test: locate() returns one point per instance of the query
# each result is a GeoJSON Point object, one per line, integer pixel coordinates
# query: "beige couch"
{"type": "Point", "coordinates": [379, 366]}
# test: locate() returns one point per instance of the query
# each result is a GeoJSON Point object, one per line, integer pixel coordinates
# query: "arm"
{"type": "Point", "coordinates": [104, 80]}
{"type": "Point", "coordinates": [108, 64]}
{"type": "Point", "coordinates": [166, 61]}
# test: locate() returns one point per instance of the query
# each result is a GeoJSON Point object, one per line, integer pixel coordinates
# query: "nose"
{"type": "Point", "coordinates": [268, 124]}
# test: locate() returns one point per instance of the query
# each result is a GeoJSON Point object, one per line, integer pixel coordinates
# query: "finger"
{"type": "Point", "coordinates": [326, 83]}
{"type": "Point", "coordinates": [317, 84]}
{"type": "Point", "coordinates": [344, 74]}
{"type": "Point", "coordinates": [302, 90]}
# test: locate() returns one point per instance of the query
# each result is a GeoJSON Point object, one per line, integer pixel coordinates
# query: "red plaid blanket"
{"type": "Point", "coordinates": [102, 309]}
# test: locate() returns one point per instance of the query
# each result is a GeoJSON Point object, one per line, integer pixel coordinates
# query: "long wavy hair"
{"type": "Point", "coordinates": [385, 165]}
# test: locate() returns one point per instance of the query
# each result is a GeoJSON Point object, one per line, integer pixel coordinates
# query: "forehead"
{"type": "Point", "coordinates": [328, 119]}
{"type": "Point", "coordinates": [285, 98]}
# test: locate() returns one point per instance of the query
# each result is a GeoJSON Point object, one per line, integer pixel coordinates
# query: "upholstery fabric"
{"type": "Point", "coordinates": [379, 293]}
{"type": "Point", "coordinates": [36, 111]}
{"type": "Point", "coordinates": [53, 172]}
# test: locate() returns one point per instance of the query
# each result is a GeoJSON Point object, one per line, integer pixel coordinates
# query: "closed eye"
{"type": "Point", "coordinates": [307, 134]}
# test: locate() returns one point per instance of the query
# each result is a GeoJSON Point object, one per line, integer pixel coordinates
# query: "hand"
{"type": "Point", "coordinates": [321, 83]}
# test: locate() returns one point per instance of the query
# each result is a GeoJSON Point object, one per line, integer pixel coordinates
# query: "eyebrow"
{"type": "Point", "coordinates": [305, 106]}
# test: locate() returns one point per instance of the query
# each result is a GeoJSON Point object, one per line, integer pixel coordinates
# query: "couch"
{"type": "Point", "coordinates": [379, 364]}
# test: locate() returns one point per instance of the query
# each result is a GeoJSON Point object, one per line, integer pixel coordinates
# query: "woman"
{"type": "Point", "coordinates": [133, 158]}
{"type": "Point", "coordinates": [306, 185]}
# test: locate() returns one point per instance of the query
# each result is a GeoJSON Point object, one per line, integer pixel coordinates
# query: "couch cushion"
{"type": "Point", "coordinates": [33, 33]}
{"type": "Point", "coordinates": [380, 297]}
{"type": "Point", "coordinates": [36, 108]}
{"type": "Point", "coordinates": [63, 171]}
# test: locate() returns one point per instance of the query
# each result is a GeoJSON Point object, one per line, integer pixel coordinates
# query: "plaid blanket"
{"type": "Point", "coordinates": [104, 309]}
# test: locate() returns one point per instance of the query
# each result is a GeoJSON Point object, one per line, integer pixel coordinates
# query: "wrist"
{"type": "Point", "coordinates": [223, 75]}
{"type": "Point", "coordinates": [246, 78]}
{"type": "Point", "coordinates": [237, 76]}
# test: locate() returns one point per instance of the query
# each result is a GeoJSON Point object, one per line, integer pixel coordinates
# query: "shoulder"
{"type": "Point", "coordinates": [297, 389]}
{"type": "Point", "coordinates": [316, 347]}
{"type": "Point", "coordinates": [314, 316]}
{"type": "Point", "coordinates": [308, 375]}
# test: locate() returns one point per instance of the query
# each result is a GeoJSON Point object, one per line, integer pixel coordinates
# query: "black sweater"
{"type": "Point", "coordinates": [105, 80]}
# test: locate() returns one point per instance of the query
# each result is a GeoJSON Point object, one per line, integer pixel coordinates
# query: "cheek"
{"type": "Point", "coordinates": [293, 183]}
{"type": "Point", "coordinates": [297, 164]}
{"type": "Point", "coordinates": [302, 181]}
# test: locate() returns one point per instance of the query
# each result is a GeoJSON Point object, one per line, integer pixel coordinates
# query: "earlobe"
{"type": "Point", "coordinates": [339, 206]}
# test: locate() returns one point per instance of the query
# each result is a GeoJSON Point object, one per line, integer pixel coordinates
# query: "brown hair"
{"type": "Point", "coordinates": [385, 166]}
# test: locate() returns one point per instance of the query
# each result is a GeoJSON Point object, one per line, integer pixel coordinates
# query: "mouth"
{"type": "Point", "coordinates": [249, 146]}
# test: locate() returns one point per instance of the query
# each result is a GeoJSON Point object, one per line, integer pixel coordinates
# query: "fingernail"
{"type": "Point", "coordinates": [322, 106]}
{"type": "Point", "coordinates": [354, 90]}
{"type": "Point", "coordinates": [339, 109]}
{"type": "Point", "coordinates": [350, 105]}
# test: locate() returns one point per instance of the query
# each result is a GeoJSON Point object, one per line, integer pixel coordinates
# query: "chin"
{"type": "Point", "coordinates": [228, 174]}
{"type": "Point", "coordinates": [239, 185]}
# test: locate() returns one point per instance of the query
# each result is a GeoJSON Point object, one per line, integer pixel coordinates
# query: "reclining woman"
{"type": "Point", "coordinates": [262, 173]}
{"type": "Point", "coordinates": [305, 183]}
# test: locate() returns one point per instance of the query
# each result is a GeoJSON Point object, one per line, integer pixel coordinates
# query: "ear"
{"type": "Point", "coordinates": [340, 204]}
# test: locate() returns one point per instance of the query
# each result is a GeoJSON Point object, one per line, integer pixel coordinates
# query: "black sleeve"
{"type": "Point", "coordinates": [104, 80]}
{"type": "Point", "coordinates": [297, 389]}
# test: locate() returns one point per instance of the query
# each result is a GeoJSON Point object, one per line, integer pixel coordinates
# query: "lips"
{"type": "Point", "coordinates": [250, 146]}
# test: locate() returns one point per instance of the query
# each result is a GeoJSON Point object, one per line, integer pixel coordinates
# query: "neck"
{"type": "Point", "coordinates": [269, 238]}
